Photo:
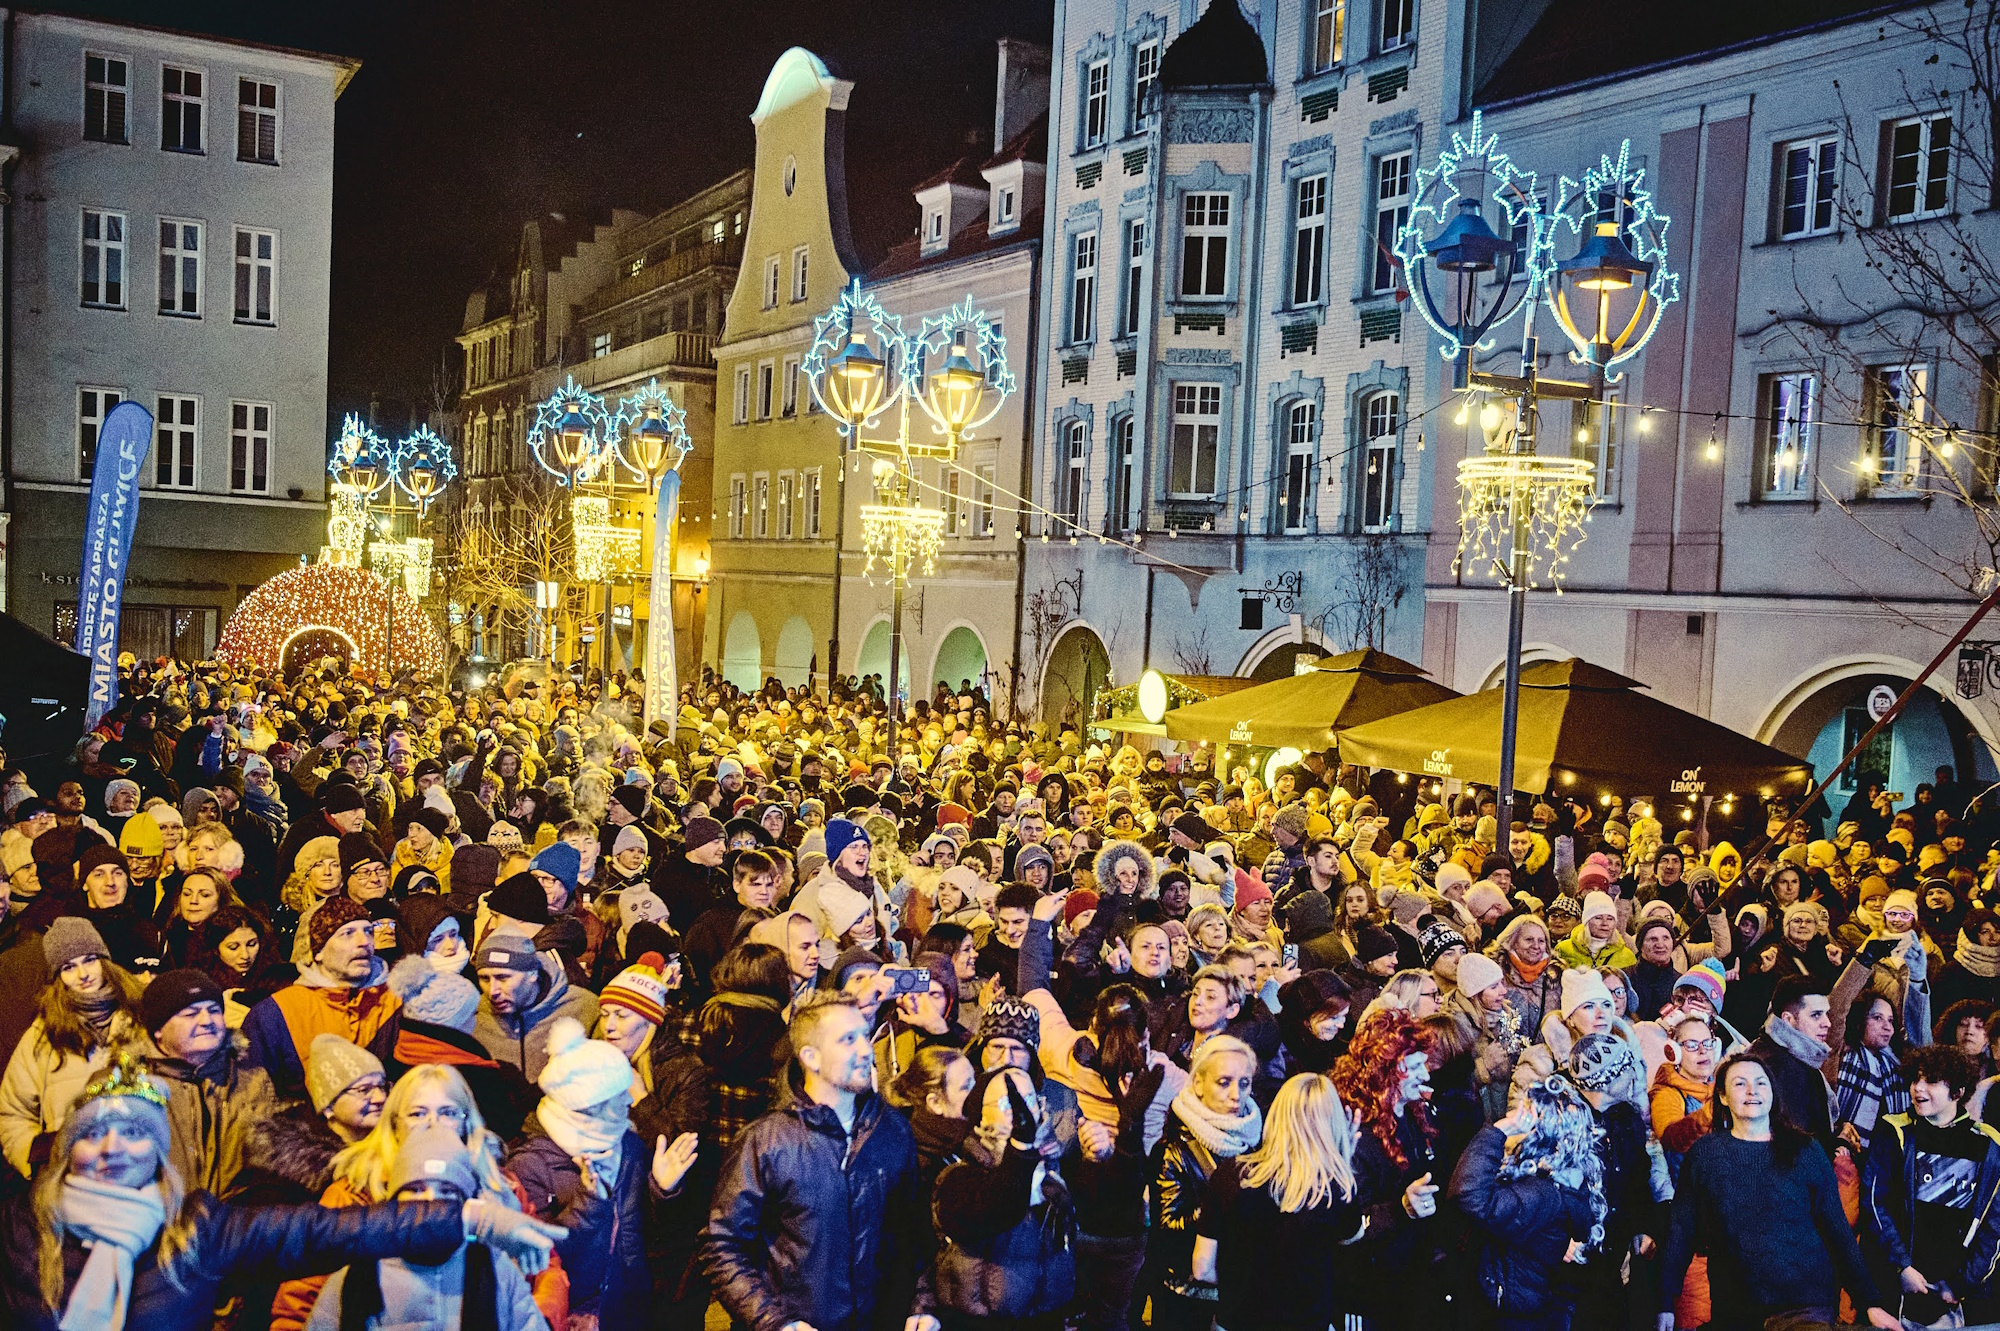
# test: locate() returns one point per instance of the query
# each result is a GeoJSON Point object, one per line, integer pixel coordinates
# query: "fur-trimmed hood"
{"type": "Point", "coordinates": [293, 1148]}
{"type": "Point", "coordinates": [1113, 852]}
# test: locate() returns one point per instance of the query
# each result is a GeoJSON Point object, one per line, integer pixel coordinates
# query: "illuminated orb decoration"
{"type": "Point", "coordinates": [423, 467]}
{"type": "Point", "coordinates": [974, 359]}
{"type": "Point", "coordinates": [905, 537]}
{"type": "Point", "coordinates": [1553, 495]}
{"type": "Point", "coordinates": [1153, 696]}
{"type": "Point", "coordinates": [853, 381]}
{"type": "Point", "coordinates": [1279, 760]}
{"type": "Point", "coordinates": [350, 603]}
{"type": "Point", "coordinates": [573, 433]}
{"type": "Point", "coordinates": [655, 440]}
{"type": "Point", "coordinates": [603, 549]}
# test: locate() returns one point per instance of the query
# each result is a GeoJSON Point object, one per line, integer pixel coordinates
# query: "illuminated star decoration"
{"type": "Point", "coordinates": [362, 458]}
{"type": "Point", "coordinates": [1646, 234]}
{"type": "Point", "coordinates": [857, 309]}
{"type": "Point", "coordinates": [545, 438]}
{"type": "Point", "coordinates": [346, 602]}
{"type": "Point", "coordinates": [652, 400]}
{"type": "Point", "coordinates": [990, 349]}
{"type": "Point", "coordinates": [1435, 194]}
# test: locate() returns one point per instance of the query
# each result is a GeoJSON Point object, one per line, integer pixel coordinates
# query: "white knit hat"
{"type": "Point", "coordinates": [1596, 904]}
{"type": "Point", "coordinates": [1450, 875]}
{"type": "Point", "coordinates": [582, 1072]}
{"type": "Point", "coordinates": [1579, 987]}
{"type": "Point", "coordinates": [1477, 973]}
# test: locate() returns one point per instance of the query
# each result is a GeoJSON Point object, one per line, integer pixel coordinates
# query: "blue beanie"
{"type": "Point", "coordinates": [842, 833]}
{"type": "Point", "coordinates": [559, 860]}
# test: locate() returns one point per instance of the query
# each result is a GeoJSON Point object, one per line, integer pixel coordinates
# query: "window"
{"type": "Point", "coordinates": [92, 406]}
{"type": "Point", "coordinates": [1919, 168]}
{"type": "Point", "coordinates": [1381, 427]}
{"type": "Point", "coordinates": [791, 377]}
{"type": "Point", "coordinates": [256, 276]}
{"type": "Point", "coordinates": [1399, 23]}
{"type": "Point", "coordinates": [760, 510]}
{"type": "Point", "coordinates": [771, 282]}
{"type": "Point", "coordinates": [180, 109]}
{"type": "Point", "coordinates": [1309, 242]}
{"type": "Point", "coordinates": [1329, 29]}
{"type": "Point", "coordinates": [952, 498]}
{"type": "Point", "coordinates": [1076, 450]}
{"type": "Point", "coordinates": [766, 372]}
{"type": "Point", "coordinates": [1145, 82]}
{"type": "Point", "coordinates": [786, 484]}
{"type": "Point", "coordinates": [1134, 303]}
{"type": "Point", "coordinates": [934, 226]}
{"type": "Point", "coordinates": [174, 426]}
{"type": "Point", "coordinates": [1301, 437]}
{"type": "Point", "coordinates": [1896, 406]}
{"type": "Point", "coordinates": [180, 267]}
{"type": "Point", "coordinates": [1006, 203]}
{"type": "Point", "coordinates": [996, 365]}
{"type": "Point", "coordinates": [982, 515]}
{"type": "Point", "coordinates": [809, 501]}
{"type": "Point", "coordinates": [600, 344]}
{"type": "Point", "coordinates": [104, 259]}
{"type": "Point", "coordinates": [1595, 435]}
{"type": "Point", "coordinates": [106, 83]}
{"type": "Point", "coordinates": [1096, 103]}
{"type": "Point", "coordinates": [1791, 417]}
{"type": "Point", "coordinates": [1197, 428]}
{"type": "Point", "coordinates": [738, 503]}
{"type": "Point", "coordinates": [1205, 245]}
{"type": "Point", "coordinates": [250, 448]}
{"type": "Point", "coordinates": [256, 121]}
{"type": "Point", "coordinates": [799, 258]}
{"type": "Point", "coordinates": [742, 413]}
{"type": "Point", "coordinates": [1083, 288]}
{"type": "Point", "coordinates": [1121, 474]}
{"type": "Point", "coordinates": [1812, 169]}
{"type": "Point", "coordinates": [1392, 210]}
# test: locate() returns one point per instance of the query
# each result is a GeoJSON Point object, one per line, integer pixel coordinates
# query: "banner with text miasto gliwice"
{"type": "Point", "coordinates": [122, 444]}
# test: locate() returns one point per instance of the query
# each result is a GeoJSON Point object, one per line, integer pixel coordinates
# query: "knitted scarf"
{"type": "Point", "coordinates": [593, 1139]}
{"type": "Point", "coordinates": [1868, 1075]}
{"type": "Point", "coordinates": [116, 1224]}
{"type": "Point", "coordinates": [1795, 1042]}
{"type": "Point", "coordinates": [1225, 1135]}
{"type": "Point", "coordinates": [1981, 961]}
{"type": "Point", "coordinates": [1530, 972]}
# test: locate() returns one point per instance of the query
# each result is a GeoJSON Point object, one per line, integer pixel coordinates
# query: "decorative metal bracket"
{"type": "Point", "coordinates": [1280, 593]}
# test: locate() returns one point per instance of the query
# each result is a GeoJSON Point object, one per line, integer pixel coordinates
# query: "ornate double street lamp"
{"type": "Point", "coordinates": [1521, 510]}
{"type": "Point", "coordinates": [587, 446]}
{"type": "Point", "coordinates": [379, 487]}
{"type": "Point", "coordinates": [862, 366]}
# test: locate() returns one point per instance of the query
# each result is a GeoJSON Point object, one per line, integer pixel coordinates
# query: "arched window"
{"type": "Point", "coordinates": [1381, 434]}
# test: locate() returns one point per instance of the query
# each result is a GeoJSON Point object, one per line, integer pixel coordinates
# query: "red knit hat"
{"type": "Point", "coordinates": [1078, 902]}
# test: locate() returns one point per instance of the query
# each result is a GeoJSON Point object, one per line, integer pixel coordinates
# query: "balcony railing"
{"type": "Point", "coordinates": [668, 270]}
{"type": "Point", "coordinates": [687, 351]}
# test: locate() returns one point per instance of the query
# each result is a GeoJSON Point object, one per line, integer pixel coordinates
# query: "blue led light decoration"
{"type": "Point", "coordinates": [974, 381]}
{"type": "Point", "coordinates": [1465, 278]}
{"type": "Point", "coordinates": [650, 434]}
{"type": "Point", "coordinates": [423, 467]}
{"type": "Point", "coordinates": [1608, 298]}
{"type": "Point", "coordinates": [573, 434]}
{"type": "Point", "coordinates": [362, 459]}
{"type": "Point", "coordinates": [857, 366]}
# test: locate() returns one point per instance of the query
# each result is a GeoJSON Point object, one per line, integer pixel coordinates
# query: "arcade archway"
{"type": "Point", "coordinates": [1078, 668]}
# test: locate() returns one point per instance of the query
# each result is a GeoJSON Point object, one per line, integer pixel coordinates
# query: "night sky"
{"type": "Point", "coordinates": [467, 119]}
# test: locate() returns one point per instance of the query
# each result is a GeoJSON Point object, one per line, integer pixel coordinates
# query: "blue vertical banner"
{"type": "Point", "coordinates": [662, 682]}
{"type": "Point", "coordinates": [122, 444]}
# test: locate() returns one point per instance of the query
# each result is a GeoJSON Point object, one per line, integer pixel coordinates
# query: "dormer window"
{"type": "Point", "coordinates": [1007, 205]}
{"type": "Point", "coordinates": [934, 226]}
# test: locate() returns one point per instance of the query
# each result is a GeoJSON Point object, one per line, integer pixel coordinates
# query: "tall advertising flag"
{"type": "Point", "coordinates": [122, 444]}
{"type": "Point", "coordinates": [662, 681]}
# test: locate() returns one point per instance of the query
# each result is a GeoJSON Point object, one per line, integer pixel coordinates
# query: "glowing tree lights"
{"type": "Point", "coordinates": [316, 603]}
{"type": "Point", "coordinates": [1521, 513]}
{"type": "Point", "coordinates": [861, 366]}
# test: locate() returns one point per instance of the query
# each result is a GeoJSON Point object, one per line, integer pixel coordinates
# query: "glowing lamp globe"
{"type": "Point", "coordinates": [573, 438]}
{"type": "Point", "coordinates": [1604, 262]}
{"type": "Point", "coordinates": [1153, 696]}
{"type": "Point", "coordinates": [856, 381]}
{"type": "Point", "coordinates": [955, 391]}
{"type": "Point", "coordinates": [650, 440]}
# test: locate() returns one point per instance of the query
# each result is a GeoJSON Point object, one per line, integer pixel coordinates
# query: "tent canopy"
{"type": "Point", "coordinates": [43, 691]}
{"type": "Point", "coordinates": [1305, 711]}
{"type": "Point", "coordinates": [1121, 705]}
{"type": "Point", "coordinates": [1581, 727]}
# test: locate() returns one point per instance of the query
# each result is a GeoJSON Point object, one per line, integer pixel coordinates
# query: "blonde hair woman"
{"type": "Point", "coordinates": [1272, 1217]}
{"type": "Point", "coordinates": [429, 1095]}
{"type": "Point", "coordinates": [315, 877]}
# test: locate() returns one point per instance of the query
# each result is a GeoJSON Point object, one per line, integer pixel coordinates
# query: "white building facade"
{"type": "Point", "coordinates": [169, 223]}
{"type": "Point", "coordinates": [1775, 539]}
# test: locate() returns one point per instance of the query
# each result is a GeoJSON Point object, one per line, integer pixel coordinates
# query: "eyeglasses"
{"type": "Point", "coordinates": [1711, 1044]}
{"type": "Point", "coordinates": [1430, 993]}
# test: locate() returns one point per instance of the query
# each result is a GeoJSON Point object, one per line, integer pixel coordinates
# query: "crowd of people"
{"type": "Point", "coordinates": [349, 1003]}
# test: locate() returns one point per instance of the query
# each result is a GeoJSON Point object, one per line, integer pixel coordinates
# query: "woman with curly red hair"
{"type": "Point", "coordinates": [1382, 1079]}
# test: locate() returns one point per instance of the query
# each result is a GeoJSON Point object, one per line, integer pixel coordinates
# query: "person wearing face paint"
{"type": "Point", "coordinates": [113, 1237]}
{"type": "Point", "coordinates": [214, 1100]}
{"type": "Point", "coordinates": [1382, 1079]}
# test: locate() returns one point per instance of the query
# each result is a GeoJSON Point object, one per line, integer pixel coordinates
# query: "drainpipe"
{"type": "Point", "coordinates": [1023, 479]}
{"type": "Point", "coordinates": [1252, 329]}
{"type": "Point", "coordinates": [7, 312]}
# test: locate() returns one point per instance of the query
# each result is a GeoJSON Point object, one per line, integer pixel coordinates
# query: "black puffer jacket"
{"type": "Point", "coordinates": [811, 1225]}
{"type": "Point", "coordinates": [605, 1253]}
{"type": "Point", "coordinates": [285, 1240]}
{"type": "Point", "coordinates": [1003, 1254]}
{"type": "Point", "coordinates": [1524, 1226]}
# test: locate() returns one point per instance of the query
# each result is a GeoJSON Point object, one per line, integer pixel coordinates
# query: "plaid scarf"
{"type": "Point", "coordinates": [1869, 1074]}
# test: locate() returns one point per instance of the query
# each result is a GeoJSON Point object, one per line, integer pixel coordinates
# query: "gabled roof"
{"type": "Point", "coordinates": [1221, 50]}
{"type": "Point", "coordinates": [1576, 43]}
{"type": "Point", "coordinates": [971, 240]}
{"type": "Point", "coordinates": [962, 172]}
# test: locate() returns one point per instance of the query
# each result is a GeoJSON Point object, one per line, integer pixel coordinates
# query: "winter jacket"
{"type": "Point", "coordinates": [1798, 1089]}
{"type": "Point", "coordinates": [415, 1296]}
{"type": "Point", "coordinates": [282, 1027]}
{"type": "Point", "coordinates": [1002, 1252]}
{"type": "Point", "coordinates": [1181, 1167]}
{"type": "Point", "coordinates": [40, 1084]}
{"type": "Point", "coordinates": [1581, 951]}
{"type": "Point", "coordinates": [213, 1111]}
{"type": "Point", "coordinates": [1525, 1226]}
{"type": "Point", "coordinates": [1889, 1188]}
{"type": "Point", "coordinates": [522, 1040]}
{"type": "Point", "coordinates": [228, 1240]}
{"type": "Point", "coordinates": [811, 1224]}
{"type": "Point", "coordinates": [688, 889]}
{"type": "Point", "coordinates": [605, 1253]}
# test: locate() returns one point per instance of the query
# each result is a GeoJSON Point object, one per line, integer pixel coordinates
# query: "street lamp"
{"type": "Point", "coordinates": [1513, 499]}
{"type": "Point", "coordinates": [653, 447]}
{"type": "Point", "coordinates": [856, 383]}
{"type": "Point", "coordinates": [364, 468]}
